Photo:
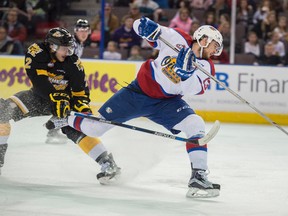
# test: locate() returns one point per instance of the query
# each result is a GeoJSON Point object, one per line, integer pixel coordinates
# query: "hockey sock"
{"type": "Point", "coordinates": [92, 146]}
{"type": "Point", "coordinates": [197, 155]}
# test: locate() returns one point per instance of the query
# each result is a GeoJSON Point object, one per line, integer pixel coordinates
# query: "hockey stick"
{"type": "Point", "coordinates": [227, 88]}
{"type": "Point", "coordinates": [202, 141]}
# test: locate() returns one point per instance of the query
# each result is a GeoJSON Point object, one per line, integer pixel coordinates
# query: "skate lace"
{"type": "Point", "coordinates": [108, 167]}
{"type": "Point", "coordinates": [203, 174]}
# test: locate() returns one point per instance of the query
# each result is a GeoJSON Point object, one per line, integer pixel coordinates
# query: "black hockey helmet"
{"type": "Point", "coordinates": [59, 36]}
{"type": "Point", "coordinates": [81, 24]}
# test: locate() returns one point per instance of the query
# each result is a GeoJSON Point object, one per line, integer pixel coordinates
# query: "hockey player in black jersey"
{"type": "Point", "coordinates": [58, 81]}
{"type": "Point", "coordinates": [81, 32]}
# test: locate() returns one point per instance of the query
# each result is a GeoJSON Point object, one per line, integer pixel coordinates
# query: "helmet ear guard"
{"type": "Point", "coordinates": [212, 34]}
{"type": "Point", "coordinates": [54, 47]}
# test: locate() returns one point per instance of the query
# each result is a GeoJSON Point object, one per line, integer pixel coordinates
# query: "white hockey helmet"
{"type": "Point", "coordinates": [212, 34]}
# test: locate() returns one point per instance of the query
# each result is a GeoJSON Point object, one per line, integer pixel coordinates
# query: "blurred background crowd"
{"type": "Point", "coordinates": [261, 35]}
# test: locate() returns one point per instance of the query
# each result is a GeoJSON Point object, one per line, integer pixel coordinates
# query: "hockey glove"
{"type": "Point", "coordinates": [81, 104]}
{"type": "Point", "coordinates": [60, 105]}
{"type": "Point", "coordinates": [148, 29]}
{"type": "Point", "coordinates": [184, 63]}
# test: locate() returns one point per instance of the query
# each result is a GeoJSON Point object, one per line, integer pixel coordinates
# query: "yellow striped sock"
{"type": "Point", "coordinates": [88, 143]}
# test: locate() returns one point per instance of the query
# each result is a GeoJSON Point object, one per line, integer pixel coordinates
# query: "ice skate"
{"type": "Point", "coordinates": [54, 136]}
{"type": "Point", "coordinates": [3, 149]}
{"type": "Point", "coordinates": [200, 187]}
{"type": "Point", "coordinates": [56, 123]}
{"type": "Point", "coordinates": [109, 170]}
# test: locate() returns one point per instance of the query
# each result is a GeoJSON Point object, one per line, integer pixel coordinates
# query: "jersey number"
{"type": "Point", "coordinates": [27, 63]}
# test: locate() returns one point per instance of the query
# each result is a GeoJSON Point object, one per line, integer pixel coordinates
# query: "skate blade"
{"type": "Point", "coordinates": [198, 193]}
{"type": "Point", "coordinates": [56, 141]}
{"type": "Point", "coordinates": [109, 179]}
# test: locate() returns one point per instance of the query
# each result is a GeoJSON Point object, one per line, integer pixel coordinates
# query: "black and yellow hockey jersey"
{"type": "Point", "coordinates": [48, 75]}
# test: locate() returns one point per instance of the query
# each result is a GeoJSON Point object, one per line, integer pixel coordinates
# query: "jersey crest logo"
{"type": "Point", "coordinates": [57, 34]}
{"type": "Point", "coordinates": [206, 83]}
{"type": "Point", "coordinates": [79, 65]}
{"type": "Point", "coordinates": [108, 110]}
{"type": "Point", "coordinates": [34, 49]}
{"type": "Point", "coordinates": [168, 64]}
{"type": "Point", "coordinates": [58, 81]}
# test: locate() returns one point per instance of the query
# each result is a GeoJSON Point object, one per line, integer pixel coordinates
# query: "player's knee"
{"type": "Point", "coordinates": [89, 127]}
{"type": "Point", "coordinates": [193, 126]}
{"type": "Point", "coordinates": [5, 130]}
{"type": "Point", "coordinates": [5, 111]}
{"type": "Point", "coordinates": [96, 129]}
{"type": "Point", "coordinates": [196, 126]}
{"type": "Point", "coordinates": [10, 110]}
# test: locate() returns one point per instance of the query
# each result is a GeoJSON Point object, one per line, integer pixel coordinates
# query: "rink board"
{"type": "Point", "coordinates": [265, 88]}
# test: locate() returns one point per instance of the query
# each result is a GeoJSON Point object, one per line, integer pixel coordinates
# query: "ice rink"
{"type": "Point", "coordinates": [249, 161]}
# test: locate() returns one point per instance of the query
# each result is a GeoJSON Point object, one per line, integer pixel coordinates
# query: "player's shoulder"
{"type": "Point", "coordinates": [207, 64]}
{"type": "Point", "coordinates": [210, 61]}
{"type": "Point", "coordinates": [37, 51]}
{"type": "Point", "coordinates": [74, 60]}
{"type": "Point", "coordinates": [184, 35]}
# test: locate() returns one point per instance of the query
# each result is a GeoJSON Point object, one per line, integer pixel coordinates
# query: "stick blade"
{"type": "Point", "coordinates": [211, 134]}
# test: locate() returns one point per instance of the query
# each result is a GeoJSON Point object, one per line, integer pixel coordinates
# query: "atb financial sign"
{"type": "Point", "coordinates": [264, 87]}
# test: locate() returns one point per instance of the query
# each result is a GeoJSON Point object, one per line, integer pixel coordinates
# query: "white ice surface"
{"type": "Point", "coordinates": [249, 161]}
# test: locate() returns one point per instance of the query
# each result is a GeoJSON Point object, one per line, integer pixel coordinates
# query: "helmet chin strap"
{"type": "Point", "coordinates": [201, 51]}
{"type": "Point", "coordinates": [53, 51]}
{"type": "Point", "coordinates": [202, 47]}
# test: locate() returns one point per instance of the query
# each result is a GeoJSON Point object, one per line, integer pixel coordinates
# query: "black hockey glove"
{"type": "Point", "coordinates": [60, 105]}
{"type": "Point", "coordinates": [81, 104]}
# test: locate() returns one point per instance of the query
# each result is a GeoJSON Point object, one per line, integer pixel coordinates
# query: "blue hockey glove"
{"type": "Point", "coordinates": [184, 63]}
{"type": "Point", "coordinates": [148, 29]}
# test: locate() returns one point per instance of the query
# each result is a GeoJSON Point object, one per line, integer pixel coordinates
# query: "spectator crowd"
{"type": "Point", "coordinates": [261, 26]}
